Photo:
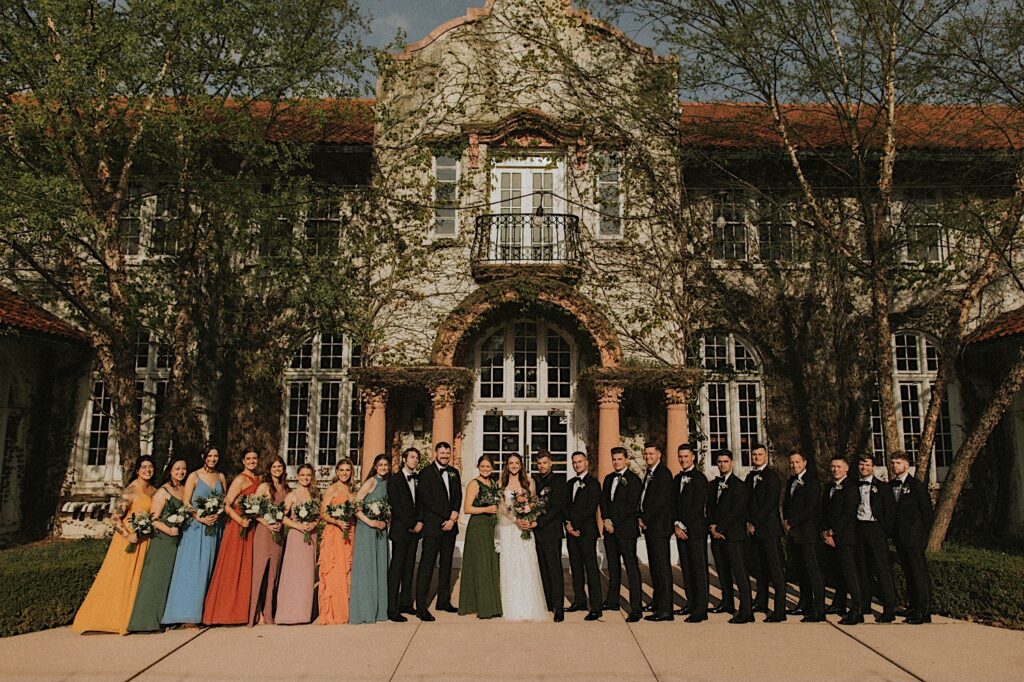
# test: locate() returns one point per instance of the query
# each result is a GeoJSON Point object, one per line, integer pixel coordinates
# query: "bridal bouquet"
{"type": "Point", "coordinates": [343, 512]}
{"type": "Point", "coordinates": [208, 505]}
{"type": "Point", "coordinates": [176, 518]}
{"type": "Point", "coordinates": [527, 507]}
{"type": "Point", "coordinates": [272, 514]}
{"type": "Point", "coordinates": [306, 512]}
{"type": "Point", "coordinates": [490, 496]}
{"type": "Point", "coordinates": [141, 524]}
{"type": "Point", "coordinates": [251, 507]}
{"type": "Point", "coordinates": [377, 510]}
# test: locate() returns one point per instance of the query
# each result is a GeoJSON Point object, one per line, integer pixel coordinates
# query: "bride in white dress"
{"type": "Point", "coordinates": [522, 592]}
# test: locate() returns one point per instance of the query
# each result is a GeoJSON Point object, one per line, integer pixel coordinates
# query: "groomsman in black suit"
{"type": "Point", "coordinates": [620, 501]}
{"type": "Point", "coordinates": [657, 499]}
{"type": "Point", "coordinates": [548, 533]}
{"type": "Point", "coordinates": [438, 501]}
{"type": "Point", "coordinates": [801, 519]}
{"type": "Point", "coordinates": [765, 529]}
{"type": "Point", "coordinates": [405, 536]}
{"type": "Point", "coordinates": [912, 523]}
{"type": "Point", "coordinates": [584, 497]}
{"type": "Point", "coordinates": [874, 523]}
{"type": "Point", "coordinates": [691, 530]}
{"type": "Point", "coordinates": [727, 523]}
{"type": "Point", "coordinates": [839, 505]}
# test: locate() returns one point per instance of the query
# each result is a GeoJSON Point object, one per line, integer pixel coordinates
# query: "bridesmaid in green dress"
{"type": "Point", "coordinates": [368, 602]}
{"type": "Point", "coordinates": [163, 547]}
{"type": "Point", "coordinates": [480, 590]}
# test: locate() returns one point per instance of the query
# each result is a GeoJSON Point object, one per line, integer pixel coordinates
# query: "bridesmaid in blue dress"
{"type": "Point", "coordinates": [369, 593]}
{"type": "Point", "coordinates": [197, 549]}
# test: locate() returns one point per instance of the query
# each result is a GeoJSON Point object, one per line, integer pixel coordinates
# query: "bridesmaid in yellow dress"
{"type": "Point", "coordinates": [108, 606]}
{"type": "Point", "coordinates": [336, 550]}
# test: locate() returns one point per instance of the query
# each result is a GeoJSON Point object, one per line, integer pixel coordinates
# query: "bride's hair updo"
{"type": "Point", "coordinates": [524, 478]}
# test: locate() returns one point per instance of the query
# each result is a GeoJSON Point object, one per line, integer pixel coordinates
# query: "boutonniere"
{"type": "Point", "coordinates": [905, 489]}
{"type": "Point", "coordinates": [582, 486]}
{"type": "Point", "coordinates": [722, 485]}
{"type": "Point", "coordinates": [799, 481]}
{"type": "Point", "coordinates": [544, 492]}
{"type": "Point", "coordinates": [839, 486]}
{"type": "Point", "coordinates": [874, 488]}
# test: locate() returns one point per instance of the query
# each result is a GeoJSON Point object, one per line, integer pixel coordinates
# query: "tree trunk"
{"type": "Point", "coordinates": [960, 468]}
{"type": "Point", "coordinates": [117, 367]}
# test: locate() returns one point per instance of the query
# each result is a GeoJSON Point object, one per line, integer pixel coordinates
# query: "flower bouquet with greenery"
{"type": "Point", "coordinates": [141, 524]}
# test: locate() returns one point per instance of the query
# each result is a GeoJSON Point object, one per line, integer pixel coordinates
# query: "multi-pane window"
{"type": "Point", "coordinates": [100, 413]}
{"type": "Point", "coordinates": [323, 228]}
{"type": "Point", "coordinates": [525, 361]}
{"type": "Point", "coordinates": [777, 235]}
{"type": "Point", "coordinates": [355, 419]}
{"type": "Point", "coordinates": [877, 439]}
{"type": "Point", "coordinates": [559, 366]}
{"type": "Point", "coordinates": [166, 221]}
{"type": "Point", "coordinates": [130, 220]}
{"type": "Point", "coordinates": [731, 398]}
{"type": "Point", "coordinates": [446, 196]}
{"type": "Point", "coordinates": [729, 228]}
{"type": "Point", "coordinates": [609, 199]}
{"type": "Point", "coordinates": [322, 407]}
{"type": "Point", "coordinates": [492, 366]}
{"type": "Point", "coordinates": [926, 238]}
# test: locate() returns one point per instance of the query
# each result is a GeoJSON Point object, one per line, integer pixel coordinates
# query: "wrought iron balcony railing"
{"type": "Point", "coordinates": [526, 239]}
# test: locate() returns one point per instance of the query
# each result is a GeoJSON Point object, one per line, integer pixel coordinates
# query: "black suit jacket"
{"type": "Point", "coordinates": [658, 504]}
{"type": "Point", "coordinates": [551, 524]}
{"type": "Point", "coordinates": [763, 511]}
{"type": "Point", "coordinates": [883, 503]}
{"type": "Point", "coordinates": [728, 511]}
{"type": "Point", "coordinates": [433, 505]}
{"type": "Point", "coordinates": [690, 502]}
{"type": "Point", "coordinates": [913, 517]}
{"type": "Point", "coordinates": [582, 511]}
{"type": "Point", "coordinates": [802, 508]}
{"type": "Point", "coordinates": [839, 511]}
{"type": "Point", "coordinates": [624, 512]}
{"type": "Point", "coordinates": [403, 511]}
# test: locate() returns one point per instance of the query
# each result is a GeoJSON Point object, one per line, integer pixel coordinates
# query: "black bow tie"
{"type": "Point", "coordinates": [411, 477]}
{"type": "Point", "coordinates": [864, 483]}
{"type": "Point", "coordinates": [579, 480]}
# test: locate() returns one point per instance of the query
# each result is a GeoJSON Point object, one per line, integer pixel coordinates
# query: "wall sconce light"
{"type": "Point", "coordinates": [631, 422]}
{"type": "Point", "coordinates": [419, 424]}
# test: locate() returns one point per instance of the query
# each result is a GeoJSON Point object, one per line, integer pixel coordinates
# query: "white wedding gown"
{"type": "Point", "coordinates": [522, 592]}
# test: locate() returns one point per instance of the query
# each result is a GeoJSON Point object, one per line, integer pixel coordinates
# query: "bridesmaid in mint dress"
{"type": "Point", "coordinates": [480, 590]}
{"type": "Point", "coordinates": [369, 599]}
{"type": "Point", "coordinates": [197, 551]}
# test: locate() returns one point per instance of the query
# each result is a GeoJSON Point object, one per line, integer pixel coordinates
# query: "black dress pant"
{"type": "Point", "coordinates": [915, 568]}
{"type": "Point", "coordinates": [693, 562]}
{"type": "Point", "coordinates": [585, 571]}
{"type": "Point", "coordinates": [724, 571]}
{"type": "Point", "coordinates": [736, 572]}
{"type": "Point", "coordinates": [768, 554]}
{"type": "Point", "coordinates": [812, 587]}
{"type": "Point", "coordinates": [659, 560]}
{"type": "Point", "coordinates": [401, 572]}
{"type": "Point", "coordinates": [873, 560]}
{"type": "Point", "coordinates": [622, 550]}
{"type": "Point", "coordinates": [847, 581]}
{"type": "Point", "coordinates": [549, 556]}
{"type": "Point", "coordinates": [436, 549]}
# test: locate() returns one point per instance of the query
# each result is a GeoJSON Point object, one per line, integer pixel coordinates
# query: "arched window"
{"type": "Point", "coordinates": [322, 407]}
{"type": "Point", "coordinates": [731, 397]}
{"type": "Point", "coordinates": [916, 363]}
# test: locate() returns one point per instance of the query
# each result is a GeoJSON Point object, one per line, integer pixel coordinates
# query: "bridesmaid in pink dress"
{"type": "Point", "coordinates": [336, 550]}
{"type": "Point", "coordinates": [267, 552]}
{"type": "Point", "coordinates": [298, 569]}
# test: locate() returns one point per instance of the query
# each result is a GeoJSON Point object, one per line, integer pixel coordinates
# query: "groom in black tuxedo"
{"type": "Point", "coordinates": [727, 524]}
{"type": "Point", "coordinates": [405, 536]}
{"type": "Point", "coordinates": [691, 529]}
{"type": "Point", "coordinates": [438, 500]}
{"type": "Point", "coordinates": [620, 508]}
{"type": "Point", "coordinates": [657, 510]}
{"type": "Point", "coordinates": [839, 517]}
{"type": "Point", "coordinates": [584, 496]}
{"type": "Point", "coordinates": [548, 533]}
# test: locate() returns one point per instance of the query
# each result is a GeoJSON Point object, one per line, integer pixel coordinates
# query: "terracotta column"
{"type": "Point", "coordinates": [375, 402]}
{"type": "Point", "coordinates": [443, 429]}
{"type": "Point", "coordinates": [678, 431]}
{"type": "Point", "coordinates": [608, 401]}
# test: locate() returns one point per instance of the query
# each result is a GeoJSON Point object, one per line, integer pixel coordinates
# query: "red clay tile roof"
{"type": "Point", "coordinates": [327, 122]}
{"type": "Point", "coordinates": [1008, 324]}
{"type": "Point", "coordinates": [22, 314]}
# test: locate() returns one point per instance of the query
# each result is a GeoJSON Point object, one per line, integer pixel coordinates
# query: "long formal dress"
{"type": "Point", "coordinates": [156, 576]}
{"type": "Point", "coordinates": [369, 599]}
{"type": "Point", "coordinates": [480, 590]}
{"type": "Point", "coordinates": [266, 562]}
{"type": "Point", "coordinates": [335, 571]}
{"type": "Point", "coordinates": [108, 605]}
{"type": "Point", "coordinates": [520, 573]}
{"type": "Point", "coordinates": [298, 575]}
{"type": "Point", "coordinates": [227, 599]}
{"type": "Point", "coordinates": [193, 565]}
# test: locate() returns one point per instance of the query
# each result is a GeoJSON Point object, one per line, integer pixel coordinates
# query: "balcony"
{"type": "Point", "coordinates": [506, 244]}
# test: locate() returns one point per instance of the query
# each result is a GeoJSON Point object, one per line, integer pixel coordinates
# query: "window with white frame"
{"type": "Point", "coordinates": [729, 227]}
{"type": "Point", "coordinates": [321, 404]}
{"type": "Point", "coordinates": [526, 361]}
{"type": "Point", "coordinates": [927, 240]}
{"type": "Point", "coordinates": [778, 239]}
{"type": "Point", "coordinates": [609, 195]}
{"type": "Point", "coordinates": [163, 237]}
{"type": "Point", "coordinates": [323, 227]}
{"type": "Point", "coordinates": [130, 220]}
{"type": "Point", "coordinates": [731, 397]}
{"type": "Point", "coordinates": [446, 196]}
{"type": "Point", "coordinates": [916, 360]}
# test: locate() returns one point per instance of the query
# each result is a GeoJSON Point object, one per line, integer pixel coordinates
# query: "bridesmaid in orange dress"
{"type": "Point", "coordinates": [108, 606]}
{"type": "Point", "coordinates": [227, 598]}
{"type": "Point", "coordinates": [336, 550]}
{"type": "Point", "coordinates": [266, 551]}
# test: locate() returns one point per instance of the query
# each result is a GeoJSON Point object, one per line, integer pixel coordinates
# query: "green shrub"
{"type": "Point", "coordinates": [43, 584]}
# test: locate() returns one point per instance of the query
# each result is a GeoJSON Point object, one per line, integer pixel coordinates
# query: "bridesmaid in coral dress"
{"type": "Point", "coordinates": [108, 606]}
{"type": "Point", "coordinates": [336, 550]}
{"type": "Point", "coordinates": [298, 568]}
{"type": "Point", "coordinates": [227, 598]}
{"type": "Point", "coordinates": [266, 551]}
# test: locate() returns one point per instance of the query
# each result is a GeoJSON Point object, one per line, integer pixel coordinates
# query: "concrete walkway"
{"type": "Point", "coordinates": [465, 648]}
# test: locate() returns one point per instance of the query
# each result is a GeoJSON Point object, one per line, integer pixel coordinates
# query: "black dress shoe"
{"type": "Point", "coordinates": [649, 608]}
{"type": "Point", "coordinates": [722, 608]}
{"type": "Point", "coordinates": [759, 608]}
{"type": "Point", "coordinates": [918, 620]}
{"type": "Point", "coordinates": [593, 615]}
{"type": "Point", "coordinates": [398, 618]}
{"type": "Point", "coordinates": [851, 619]}
{"type": "Point", "coordinates": [795, 612]}
{"type": "Point", "coordinates": [448, 608]}
{"type": "Point", "coordinates": [559, 615]}
{"type": "Point", "coordinates": [885, 618]}
{"type": "Point", "coordinates": [684, 611]}
{"type": "Point", "coordinates": [835, 610]}
{"type": "Point", "coordinates": [812, 619]}
{"type": "Point", "coordinates": [575, 607]}
{"type": "Point", "coordinates": [408, 610]}
{"type": "Point", "coordinates": [742, 618]}
{"type": "Point", "coordinates": [696, 618]}
{"type": "Point", "coordinates": [610, 606]}
{"type": "Point", "coordinates": [633, 618]}
{"type": "Point", "coordinates": [902, 613]}
{"type": "Point", "coordinates": [426, 616]}
{"type": "Point", "coordinates": [657, 617]}
{"type": "Point", "coordinates": [772, 618]}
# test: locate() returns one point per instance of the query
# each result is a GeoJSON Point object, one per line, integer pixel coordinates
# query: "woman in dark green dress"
{"type": "Point", "coordinates": [163, 547]}
{"type": "Point", "coordinates": [480, 590]}
{"type": "Point", "coordinates": [368, 598]}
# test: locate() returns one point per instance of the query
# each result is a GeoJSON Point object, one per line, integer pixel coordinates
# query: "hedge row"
{"type": "Point", "coordinates": [43, 584]}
